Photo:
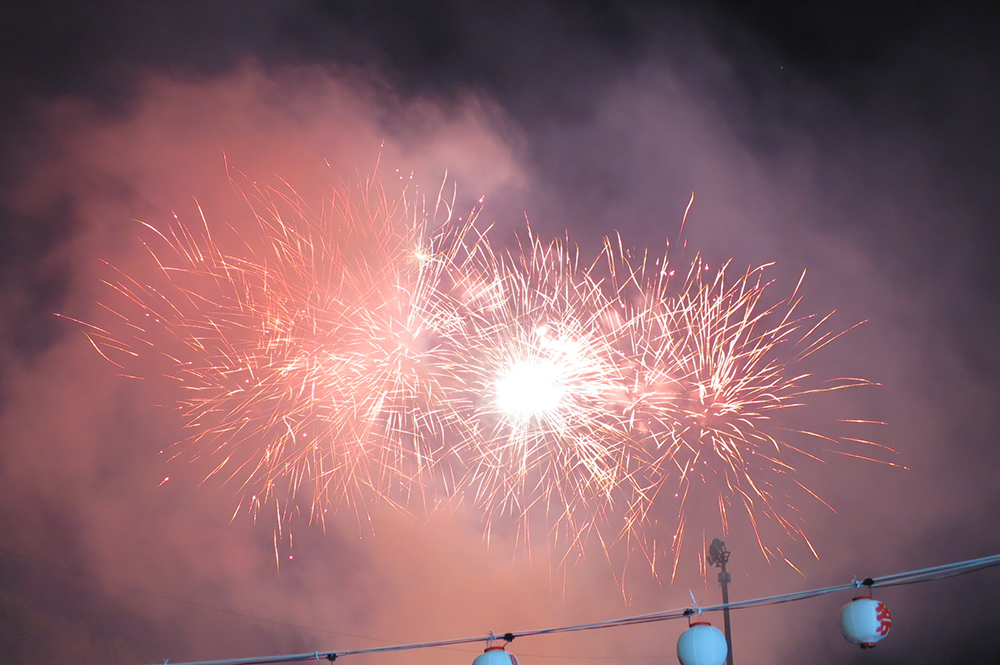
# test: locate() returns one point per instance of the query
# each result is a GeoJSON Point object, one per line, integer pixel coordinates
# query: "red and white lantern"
{"type": "Point", "coordinates": [701, 644]}
{"type": "Point", "coordinates": [865, 621]}
{"type": "Point", "coordinates": [495, 656]}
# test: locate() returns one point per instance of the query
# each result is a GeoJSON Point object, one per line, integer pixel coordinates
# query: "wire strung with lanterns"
{"type": "Point", "coordinates": [864, 621]}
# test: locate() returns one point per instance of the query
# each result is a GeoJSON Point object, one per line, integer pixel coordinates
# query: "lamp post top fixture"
{"type": "Point", "coordinates": [718, 555]}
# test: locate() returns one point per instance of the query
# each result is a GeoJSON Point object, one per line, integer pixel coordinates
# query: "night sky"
{"type": "Point", "coordinates": [856, 141]}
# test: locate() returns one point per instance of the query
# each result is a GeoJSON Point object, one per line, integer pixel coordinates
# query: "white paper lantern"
{"type": "Point", "coordinates": [495, 656]}
{"type": "Point", "coordinates": [701, 644]}
{"type": "Point", "coordinates": [865, 621]}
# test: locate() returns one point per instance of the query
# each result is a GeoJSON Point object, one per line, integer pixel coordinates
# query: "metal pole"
{"type": "Point", "coordinates": [718, 556]}
{"type": "Point", "coordinates": [725, 578]}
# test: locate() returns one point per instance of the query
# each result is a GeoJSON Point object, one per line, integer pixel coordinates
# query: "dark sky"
{"type": "Point", "coordinates": [857, 141]}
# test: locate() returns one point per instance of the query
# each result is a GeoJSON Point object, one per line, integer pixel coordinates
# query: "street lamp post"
{"type": "Point", "coordinates": [718, 556]}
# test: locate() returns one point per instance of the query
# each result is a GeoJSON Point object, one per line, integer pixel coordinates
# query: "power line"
{"type": "Point", "coordinates": [897, 579]}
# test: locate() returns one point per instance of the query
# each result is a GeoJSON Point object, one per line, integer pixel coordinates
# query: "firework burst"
{"type": "Point", "coordinates": [710, 366]}
{"type": "Point", "coordinates": [308, 349]}
{"type": "Point", "coordinates": [542, 436]}
{"type": "Point", "coordinates": [380, 351]}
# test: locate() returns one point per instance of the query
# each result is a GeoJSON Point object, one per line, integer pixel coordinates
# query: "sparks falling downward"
{"type": "Point", "coordinates": [384, 351]}
{"type": "Point", "coordinates": [710, 367]}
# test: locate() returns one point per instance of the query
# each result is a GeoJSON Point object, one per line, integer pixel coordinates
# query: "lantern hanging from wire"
{"type": "Point", "coordinates": [495, 655]}
{"type": "Point", "coordinates": [865, 621]}
{"type": "Point", "coordinates": [702, 644]}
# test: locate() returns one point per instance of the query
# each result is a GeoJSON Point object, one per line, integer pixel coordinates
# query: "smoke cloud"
{"type": "Point", "coordinates": [874, 174]}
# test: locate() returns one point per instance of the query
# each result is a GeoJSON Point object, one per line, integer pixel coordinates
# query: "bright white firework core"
{"type": "Point", "coordinates": [529, 388]}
